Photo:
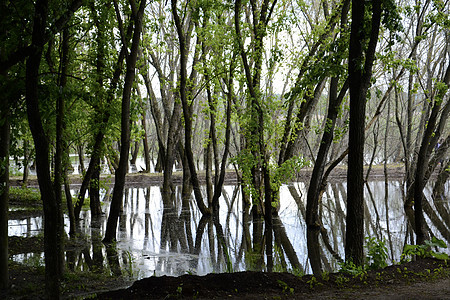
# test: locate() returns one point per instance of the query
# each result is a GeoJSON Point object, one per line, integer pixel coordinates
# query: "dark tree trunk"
{"type": "Point", "coordinates": [429, 139]}
{"type": "Point", "coordinates": [94, 189]}
{"type": "Point", "coordinates": [81, 159]}
{"type": "Point", "coordinates": [96, 152]}
{"type": "Point", "coordinates": [187, 114]}
{"type": "Point", "coordinates": [134, 153]}
{"type": "Point", "coordinates": [359, 79]}
{"type": "Point", "coordinates": [314, 190]}
{"type": "Point", "coordinates": [119, 183]}
{"type": "Point", "coordinates": [60, 122]}
{"type": "Point", "coordinates": [4, 192]}
{"type": "Point", "coordinates": [26, 161]}
{"type": "Point", "coordinates": [53, 226]}
{"type": "Point", "coordinates": [99, 21]}
{"type": "Point", "coordinates": [145, 142]}
{"type": "Point", "coordinates": [62, 159]}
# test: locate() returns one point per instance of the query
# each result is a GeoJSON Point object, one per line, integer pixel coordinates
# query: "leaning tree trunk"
{"type": "Point", "coordinates": [314, 190]}
{"type": "Point", "coordinates": [429, 139]}
{"type": "Point", "coordinates": [119, 183]}
{"type": "Point", "coordinates": [145, 143]}
{"type": "Point", "coordinates": [313, 221]}
{"type": "Point", "coordinates": [98, 140]}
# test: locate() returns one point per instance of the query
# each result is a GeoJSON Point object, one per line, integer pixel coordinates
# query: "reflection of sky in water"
{"type": "Point", "coordinates": [141, 232]}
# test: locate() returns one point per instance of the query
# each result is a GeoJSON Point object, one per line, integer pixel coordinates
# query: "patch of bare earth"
{"type": "Point", "coordinates": [423, 279]}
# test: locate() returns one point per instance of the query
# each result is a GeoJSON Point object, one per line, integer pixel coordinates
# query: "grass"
{"type": "Point", "coordinates": [24, 195]}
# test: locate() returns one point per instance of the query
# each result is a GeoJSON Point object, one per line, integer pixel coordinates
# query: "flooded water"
{"type": "Point", "coordinates": [157, 238]}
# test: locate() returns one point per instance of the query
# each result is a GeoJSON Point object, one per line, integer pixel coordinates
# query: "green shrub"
{"type": "Point", "coordinates": [377, 254]}
{"type": "Point", "coordinates": [25, 195]}
{"type": "Point", "coordinates": [425, 250]}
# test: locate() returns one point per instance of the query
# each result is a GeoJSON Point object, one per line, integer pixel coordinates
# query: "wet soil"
{"type": "Point", "coordinates": [423, 279]}
{"type": "Point", "coordinates": [339, 174]}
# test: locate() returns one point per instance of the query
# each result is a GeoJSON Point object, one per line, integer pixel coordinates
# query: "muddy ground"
{"type": "Point", "coordinates": [422, 279]}
{"type": "Point", "coordinates": [394, 172]}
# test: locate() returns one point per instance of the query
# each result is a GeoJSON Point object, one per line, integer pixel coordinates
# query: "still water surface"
{"type": "Point", "coordinates": [157, 238]}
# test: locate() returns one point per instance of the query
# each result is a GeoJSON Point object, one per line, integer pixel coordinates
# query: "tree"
{"type": "Point", "coordinates": [256, 145]}
{"type": "Point", "coordinates": [53, 221]}
{"type": "Point", "coordinates": [119, 183]}
{"type": "Point", "coordinates": [315, 189]}
{"type": "Point", "coordinates": [4, 191]}
{"type": "Point", "coordinates": [360, 72]}
{"type": "Point", "coordinates": [20, 52]}
{"type": "Point", "coordinates": [432, 133]}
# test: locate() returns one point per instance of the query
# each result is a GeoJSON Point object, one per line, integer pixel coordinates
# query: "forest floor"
{"type": "Point", "coordinates": [421, 279]}
{"type": "Point", "coordinates": [339, 174]}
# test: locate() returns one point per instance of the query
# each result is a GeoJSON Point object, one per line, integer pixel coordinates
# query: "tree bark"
{"type": "Point", "coordinates": [145, 143]}
{"type": "Point", "coordinates": [94, 189]}
{"type": "Point", "coordinates": [4, 192]}
{"type": "Point", "coordinates": [314, 189]}
{"type": "Point", "coordinates": [96, 152]}
{"type": "Point", "coordinates": [119, 183]}
{"type": "Point", "coordinates": [62, 159]}
{"type": "Point", "coordinates": [187, 111]}
{"type": "Point", "coordinates": [359, 78]}
{"type": "Point", "coordinates": [428, 141]}
{"type": "Point", "coordinates": [53, 226]}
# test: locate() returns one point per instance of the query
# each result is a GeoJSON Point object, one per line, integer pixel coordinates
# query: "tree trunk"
{"type": "Point", "coordinates": [359, 79]}
{"type": "Point", "coordinates": [134, 153]}
{"type": "Point", "coordinates": [314, 189]}
{"type": "Point", "coordinates": [53, 226]}
{"type": "Point", "coordinates": [26, 161]}
{"type": "Point", "coordinates": [187, 114]}
{"type": "Point", "coordinates": [428, 141]}
{"type": "Point", "coordinates": [80, 151]}
{"type": "Point", "coordinates": [4, 192]}
{"type": "Point", "coordinates": [145, 143]}
{"type": "Point", "coordinates": [94, 189]}
{"type": "Point", "coordinates": [119, 183]}
{"type": "Point", "coordinates": [98, 140]}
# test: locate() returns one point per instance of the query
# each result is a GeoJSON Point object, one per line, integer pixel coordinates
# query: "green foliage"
{"type": "Point", "coordinates": [376, 258]}
{"type": "Point", "coordinates": [341, 280]}
{"type": "Point", "coordinates": [287, 170]}
{"type": "Point", "coordinates": [392, 20]}
{"type": "Point", "coordinates": [285, 287]}
{"type": "Point", "coordinates": [24, 195]}
{"type": "Point", "coordinates": [326, 276]}
{"type": "Point", "coordinates": [350, 268]}
{"type": "Point", "coordinates": [425, 250]}
{"type": "Point", "coordinates": [377, 253]}
{"type": "Point", "coordinates": [313, 282]}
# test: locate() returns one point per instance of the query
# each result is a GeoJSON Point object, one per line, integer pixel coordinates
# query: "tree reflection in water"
{"type": "Point", "coordinates": [170, 237]}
